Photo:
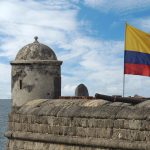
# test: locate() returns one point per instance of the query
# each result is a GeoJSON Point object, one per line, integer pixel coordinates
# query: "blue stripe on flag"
{"type": "Point", "coordinates": [134, 57]}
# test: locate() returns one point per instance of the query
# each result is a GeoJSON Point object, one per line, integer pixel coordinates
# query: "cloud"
{"type": "Point", "coordinates": [69, 83]}
{"type": "Point", "coordinates": [25, 19]}
{"type": "Point", "coordinates": [53, 21]}
{"type": "Point", "coordinates": [4, 81]}
{"type": "Point", "coordinates": [137, 85]}
{"type": "Point", "coordinates": [118, 5]}
{"type": "Point", "coordinates": [98, 66]}
{"type": "Point", "coordinates": [142, 23]}
{"type": "Point", "coordinates": [94, 62]}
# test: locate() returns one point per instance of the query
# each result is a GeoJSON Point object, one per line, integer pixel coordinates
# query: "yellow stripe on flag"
{"type": "Point", "coordinates": [136, 40]}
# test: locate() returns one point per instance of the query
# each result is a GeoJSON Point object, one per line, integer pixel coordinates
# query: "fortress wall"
{"type": "Point", "coordinates": [99, 125]}
{"type": "Point", "coordinates": [28, 145]}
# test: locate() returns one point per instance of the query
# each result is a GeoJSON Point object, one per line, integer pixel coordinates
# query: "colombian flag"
{"type": "Point", "coordinates": [137, 52]}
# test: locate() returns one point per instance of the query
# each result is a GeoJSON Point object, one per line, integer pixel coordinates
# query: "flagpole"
{"type": "Point", "coordinates": [123, 92]}
{"type": "Point", "coordinates": [123, 84]}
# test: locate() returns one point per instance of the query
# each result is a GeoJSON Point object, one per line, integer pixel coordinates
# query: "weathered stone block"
{"type": "Point", "coordinates": [104, 123]}
{"type": "Point", "coordinates": [50, 120]}
{"type": "Point", "coordinates": [131, 135]}
{"type": "Point", "coordinates": [132, 124]}
{"type": "Point", "coordinates": [83, 132]}
{"type": "Point", "coordinates": [57, 121]}
{"type": "Point", "coordinates": [119, 123]}
{"type": "Point", "coordinates": [145, 125]}
{"type": "Point", "coordinates": [66, 121]}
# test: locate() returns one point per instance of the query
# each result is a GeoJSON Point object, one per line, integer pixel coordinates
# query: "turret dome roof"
{"type": "Point", "coordinates": [36, 51]}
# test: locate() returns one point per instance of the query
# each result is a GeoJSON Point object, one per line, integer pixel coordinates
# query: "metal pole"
{"type": "Point", "coordinates": [123, 85]}
{"type": "Point", "coordinates": [124, 57]}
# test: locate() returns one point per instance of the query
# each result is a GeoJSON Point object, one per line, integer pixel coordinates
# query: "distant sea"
{"type": "Point", "coordinates": [4, 110]}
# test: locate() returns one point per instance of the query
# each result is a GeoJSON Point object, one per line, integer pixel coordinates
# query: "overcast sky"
{"type": "Point", "coordinates": [87, 35]}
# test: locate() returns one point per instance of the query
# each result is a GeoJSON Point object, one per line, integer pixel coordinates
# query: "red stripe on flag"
{"type": "Point", "coordinates": [137, 69]}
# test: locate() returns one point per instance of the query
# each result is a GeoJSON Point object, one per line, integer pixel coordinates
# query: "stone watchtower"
{"type": "Point", "coordinates": [36, 74]}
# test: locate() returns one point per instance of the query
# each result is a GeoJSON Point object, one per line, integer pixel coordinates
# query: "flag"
{"type": "Point", "coordinates": [137, 52]}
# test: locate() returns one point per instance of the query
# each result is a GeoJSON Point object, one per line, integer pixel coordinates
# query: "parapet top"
{"type": "Point", "coordinates": [90, 108]}
{"type": "Point", "coordinates": [36, 51]}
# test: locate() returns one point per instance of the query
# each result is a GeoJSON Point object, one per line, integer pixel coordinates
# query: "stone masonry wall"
{"type": "Point", "coordinates": [38, 80]}
{"type": "Point", "coordinates": [90, 125]}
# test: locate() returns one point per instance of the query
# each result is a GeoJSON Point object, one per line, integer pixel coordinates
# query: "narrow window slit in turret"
{"type": "Point", "coordinates": [20, 83]}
